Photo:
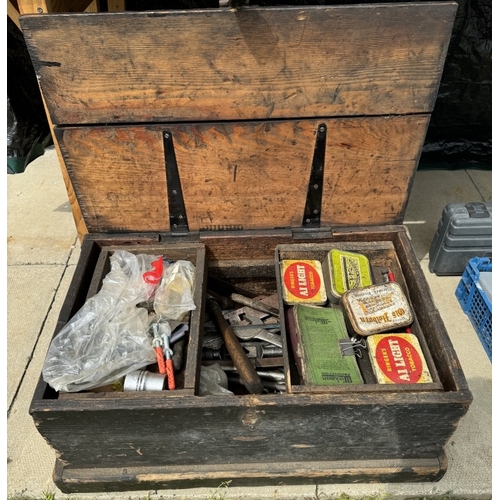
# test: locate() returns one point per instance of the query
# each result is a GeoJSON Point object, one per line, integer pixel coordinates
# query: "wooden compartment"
{"type": "Point", "coordinates": [221, 135]}
{"type": "Point", "coordinates": [188, 378]}
{"type": "Point", "coordinates": [381, 255]}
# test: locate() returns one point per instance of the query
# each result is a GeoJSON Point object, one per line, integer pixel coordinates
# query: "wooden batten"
{"type": "Point", "coordinates": [45, 6]}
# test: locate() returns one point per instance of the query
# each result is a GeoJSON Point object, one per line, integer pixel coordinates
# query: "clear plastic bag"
{"type": "Point", "coordinates": [108, 337]}
{"type": "Point", "coordinates": [174, 295]}
{"type": "Point", "coordinates": [213, 380]}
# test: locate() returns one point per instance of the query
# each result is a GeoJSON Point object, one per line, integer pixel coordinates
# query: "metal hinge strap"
{"type": "Point", "coordinates": [176, 208]}
{"type": "Point", "coordinates": [312, 211]}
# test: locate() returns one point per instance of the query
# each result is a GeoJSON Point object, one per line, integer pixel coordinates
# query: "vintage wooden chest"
{"type": "Point", "coordinates": [232, 139]}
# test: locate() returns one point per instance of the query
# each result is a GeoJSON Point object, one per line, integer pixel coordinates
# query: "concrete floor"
{"type": "Point", "coordinates": [42, 251]}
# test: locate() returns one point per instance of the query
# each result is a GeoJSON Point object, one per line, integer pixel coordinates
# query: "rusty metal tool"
{"type": "Point", "coordinates": [268, 384]}
{"type": "Point", "coordinates": [248, 323]}
{"type": "Point", "coordinates": [224, 302]}
{"type": "Point", "coordinates": [245, 368]}
{"type": "Point", "coordinates": [253, 351]}
{"type": "Point", "coordinates": [255, 304]}
{"type": "Point", "coordinates": [276, 375]}
{"type": "Point", "coordinates": [259, 332]}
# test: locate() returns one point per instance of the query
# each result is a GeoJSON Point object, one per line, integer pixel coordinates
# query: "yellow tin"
{"type": "Point", "coordinates": [302, 282]}
{"type": "Point", "coordinates": [397, 358]}
{"type": "Point", "coordinates": [344, 271]}
{"type": "Point", "coordinates": [377, 308]}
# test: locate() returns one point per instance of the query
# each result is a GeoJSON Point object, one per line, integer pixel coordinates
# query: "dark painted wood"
{"type": "Point", "coordinates": [255, 63]}
{"type": "Point", "coordinates": [446, 361]}
{"type": "Point", "coordinates": [285, 429]}
{"type": "Point", "coordinates": [269, 473]}
{"type": "Point", "coordinates": [80, 282]}
{"type": "Point", "coordinates": [102, 268]}
{"type": "Point", "coordinates": [249, 429]}
{"type": "Point", "coordinates": [297, 389]}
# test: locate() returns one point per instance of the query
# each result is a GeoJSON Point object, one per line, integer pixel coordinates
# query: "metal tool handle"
{"type": "Point", "coordinates": [251, 380]}
{"type": "Point", "coordinates": [260, 334]}
{"type": "Point", "coordinates": [255, 304]}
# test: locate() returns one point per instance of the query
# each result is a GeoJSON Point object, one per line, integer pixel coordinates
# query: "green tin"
{"type": "Point", "coordinates": [344, 271]}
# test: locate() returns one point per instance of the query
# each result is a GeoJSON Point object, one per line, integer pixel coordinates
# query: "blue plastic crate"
{"type": "Point", "coordinates": [474, 300]}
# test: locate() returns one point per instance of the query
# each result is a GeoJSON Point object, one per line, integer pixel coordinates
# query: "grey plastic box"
{"type": "Point", "coordinates": [464, 232]}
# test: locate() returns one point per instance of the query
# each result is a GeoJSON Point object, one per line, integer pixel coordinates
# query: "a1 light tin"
{"type": "Point", "coordinates": [398, 359]}
{"type": "Point", "coordinates": [344, 271]}
{"type": "Point", "coordinates": [303, 282]}
{"type": "Point", "coordinates": [377, 308]}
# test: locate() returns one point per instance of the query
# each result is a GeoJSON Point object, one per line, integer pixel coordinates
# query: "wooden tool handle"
{"type": "Point", "coordinates": [251, 380]}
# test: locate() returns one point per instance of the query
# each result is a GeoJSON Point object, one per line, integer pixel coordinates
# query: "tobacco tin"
{"type": "Point", "coordinates": [398, 359]}
{"type": "Point", "coordinates": [303, 282]}
{"type": "Point", "coordinates": [377, 308]}
{"type": "Point", "coordinates": [344, 271]}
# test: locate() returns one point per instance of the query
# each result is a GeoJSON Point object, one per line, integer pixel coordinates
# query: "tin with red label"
{"type": "Point", "coordinates": [398, 359]}
{"type": "Point", "coordinates": [377, 308]}
{"type": "Point", "coordinates": [302, 282]}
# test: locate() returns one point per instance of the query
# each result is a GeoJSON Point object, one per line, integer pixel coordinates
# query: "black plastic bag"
{"type": "Point", "coordinates": [460, 130]}
{"type": "Point", "coordinates": [28, 132]}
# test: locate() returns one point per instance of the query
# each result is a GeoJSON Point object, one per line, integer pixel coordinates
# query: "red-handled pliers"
{"type": "Point", "coordinates": [158, 347]}
{"type": "Point", "coordinates": [169, 364]}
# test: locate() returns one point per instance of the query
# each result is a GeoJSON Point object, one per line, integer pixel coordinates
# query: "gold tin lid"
{"type": "Point", "coordinates": [397, 358]}
{"type": "Point", "coordinates": [302, 282]}
{"type": "Point", "coordinates": [344, 271]}
{"type": "Point", "coordinates": [377, 308]}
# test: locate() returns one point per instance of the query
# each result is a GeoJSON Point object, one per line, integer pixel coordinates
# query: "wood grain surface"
{"type": "Point", "coordinates": [83, 480]}
{"type": "Point", "coordinates": [246, 175]}
{"type": "Point", "coordinates": [45, 6]}
{"type": "Point", "coordinates": [253, 63]}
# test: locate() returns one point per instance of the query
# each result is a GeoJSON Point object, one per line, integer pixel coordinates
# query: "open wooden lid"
{"type": "Point", "coordinates": [250, 119]}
